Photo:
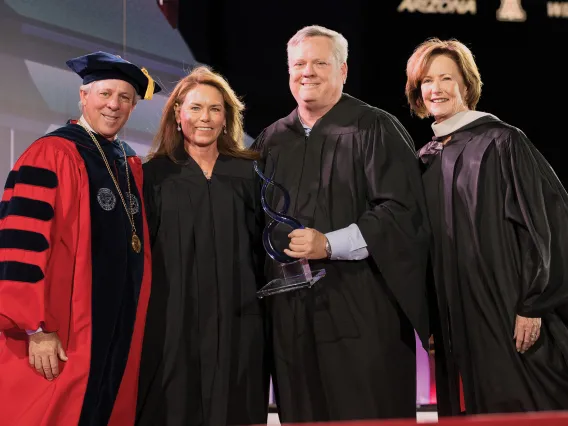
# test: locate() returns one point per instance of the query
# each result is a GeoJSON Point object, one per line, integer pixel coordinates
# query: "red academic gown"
{"type": "Point", "coordinates": [66, 265]}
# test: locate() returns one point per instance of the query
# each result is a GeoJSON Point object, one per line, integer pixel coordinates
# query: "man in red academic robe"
{"type": "Point", "coordinates": [75, 262]}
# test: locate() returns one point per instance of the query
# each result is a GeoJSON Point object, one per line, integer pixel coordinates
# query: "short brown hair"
{"type": "Point", "coordinates": [416, 68]}
{"type": "Point", "coordinates": [168, 138]}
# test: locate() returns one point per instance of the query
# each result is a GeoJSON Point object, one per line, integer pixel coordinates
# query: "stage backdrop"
{"type": "Point", "coordinates": [520, 47]}
{"type": "Point", "coordinates": [38, 93]}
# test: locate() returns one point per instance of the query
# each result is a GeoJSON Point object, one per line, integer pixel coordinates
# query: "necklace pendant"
{"type": "Point", "coordinates": [136, 243]}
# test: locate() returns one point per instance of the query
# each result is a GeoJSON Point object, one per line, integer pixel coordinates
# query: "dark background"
{"type": "Point", "coordinates": [521, 63]}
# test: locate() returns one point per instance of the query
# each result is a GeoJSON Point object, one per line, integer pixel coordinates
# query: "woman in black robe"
{"type": "Point", "coordinates": [203, 360]}
{"type": "Point", "coordinates": [499, 219]}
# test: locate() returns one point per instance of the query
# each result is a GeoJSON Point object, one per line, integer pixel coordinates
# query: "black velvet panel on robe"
{"type": "Point", "coordinates": [204, 359]}
{"type": "Point", "coordinates": [500, 223]}
{"type": "Point", "coordinates": [117, 273]}
{"type": "Point", "coordinates": [341, 346]}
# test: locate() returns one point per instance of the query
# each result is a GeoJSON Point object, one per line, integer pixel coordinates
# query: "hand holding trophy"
{"type": "Point", "coordinates": [292, 273]}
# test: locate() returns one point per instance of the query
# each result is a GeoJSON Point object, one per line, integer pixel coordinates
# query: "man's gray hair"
{"type": "Point", "coordinates": [87, 88]}
{"type": "Point", "coordinates": [340, 46]}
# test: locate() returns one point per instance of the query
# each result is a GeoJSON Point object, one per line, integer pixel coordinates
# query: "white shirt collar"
{"type": "Point", "coordinates": [307, 129]}
{"type": "Point", "coordinates": [84, 123]}
{"type": "Point", "coordinates": [456, 122]}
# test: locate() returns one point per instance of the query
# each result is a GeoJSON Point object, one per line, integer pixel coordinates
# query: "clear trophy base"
{"type": "Point", "coordinates": [293, 276]}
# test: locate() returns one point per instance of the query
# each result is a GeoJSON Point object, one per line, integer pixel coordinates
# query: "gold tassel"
{"type": "Point", "coordinates": [150, 88]}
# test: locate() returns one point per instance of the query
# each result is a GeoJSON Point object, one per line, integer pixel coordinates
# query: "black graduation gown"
{"type": "Point", "coordinates": [203, 361]}
{"type": "Point", "coordinates": [345, 348]}
{"type": "Point", "coordinates": [499, 217]}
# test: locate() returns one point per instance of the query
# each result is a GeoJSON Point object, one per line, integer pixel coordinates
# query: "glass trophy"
{"type": "Point", "coordinates": [291, 273]}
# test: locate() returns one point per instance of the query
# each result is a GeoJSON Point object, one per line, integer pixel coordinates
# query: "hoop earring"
{"type": "Point", "coordinates": [225, 130]}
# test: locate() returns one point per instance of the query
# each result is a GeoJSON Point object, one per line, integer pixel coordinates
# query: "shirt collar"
{"type": "Point", "coordinates": [456, 122]}
{"type": "Point", "coordinates": [307, 129]}
{"type": "Point", "coordinates": [84, 123]}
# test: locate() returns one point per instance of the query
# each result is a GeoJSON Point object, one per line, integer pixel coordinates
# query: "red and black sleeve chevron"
{"type": "Point", "coordinates": [27, 232]}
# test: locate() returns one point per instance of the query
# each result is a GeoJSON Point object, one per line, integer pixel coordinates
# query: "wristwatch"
{"type": "Point", "coordinates": [328, 248]}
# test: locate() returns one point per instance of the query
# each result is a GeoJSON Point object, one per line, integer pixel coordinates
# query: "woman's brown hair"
{"type": "Point", "coordinates": [418, 62]}
{"type": "Point", "coordinates": [168, 138]}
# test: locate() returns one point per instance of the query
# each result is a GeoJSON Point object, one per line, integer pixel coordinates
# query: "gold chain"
{"type": "Point", "coordinates": [136, 244]}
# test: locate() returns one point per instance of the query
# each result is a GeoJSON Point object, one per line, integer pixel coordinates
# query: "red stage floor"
{"type": "Point", "coordinates": [528, 419]}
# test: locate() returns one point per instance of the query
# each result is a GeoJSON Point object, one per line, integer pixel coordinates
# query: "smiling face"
{"type": "Point", "coordinates": [107, 106]}
{"type": "Point", "coordinates": [316, 78]}
{"type": "Point", "coordinates": [202, 115]}
{"type": "Point", "coordinates": [443, 89]}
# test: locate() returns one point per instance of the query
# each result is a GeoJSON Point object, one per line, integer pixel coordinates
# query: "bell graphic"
{"type": "Point", "coordinates": [512, 11]}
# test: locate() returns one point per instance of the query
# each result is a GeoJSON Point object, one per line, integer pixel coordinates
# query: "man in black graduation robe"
{"type": "Point", "coordinates": [345, 348]}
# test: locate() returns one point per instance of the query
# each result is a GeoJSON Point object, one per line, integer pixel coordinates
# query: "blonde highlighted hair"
{"type": "Point", "coordinates": [168, 139]}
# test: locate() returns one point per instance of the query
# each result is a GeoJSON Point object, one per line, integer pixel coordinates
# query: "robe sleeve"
{"type": "Point", "coordinates": [537, 203]}
{"type": "Point", "coordinates": [395, 226]}
{"type": "Point", "coordinates": [41, 188]}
